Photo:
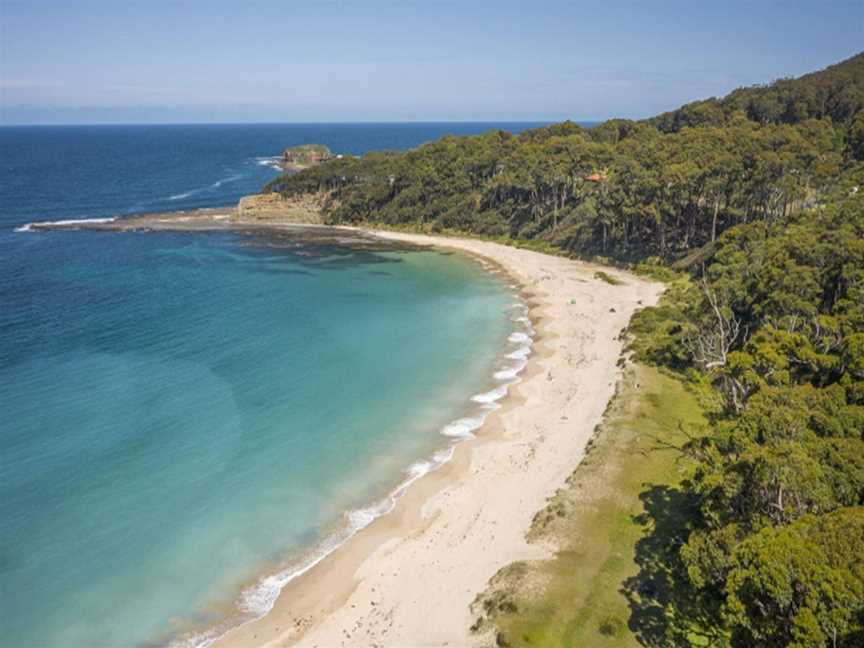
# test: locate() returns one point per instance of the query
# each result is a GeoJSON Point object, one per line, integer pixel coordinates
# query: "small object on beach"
{"type": "Point", "coordinates": [612, 310]}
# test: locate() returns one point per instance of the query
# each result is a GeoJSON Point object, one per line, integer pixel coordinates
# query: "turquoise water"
{"type": "Point", "coordinates": [184, 413]}
{"type": "Point", "coordinates": [188, 420]}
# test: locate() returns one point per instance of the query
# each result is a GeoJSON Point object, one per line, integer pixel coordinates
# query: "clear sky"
{"type": "Point", "coordinates": [92, 61]}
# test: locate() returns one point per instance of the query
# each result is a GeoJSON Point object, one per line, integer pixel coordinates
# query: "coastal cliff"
{"type": "Point", "coordinates": [275, 208]}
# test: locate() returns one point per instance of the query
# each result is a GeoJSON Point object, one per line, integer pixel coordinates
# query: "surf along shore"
{"type": "Point", "coordinates": [409, 578]}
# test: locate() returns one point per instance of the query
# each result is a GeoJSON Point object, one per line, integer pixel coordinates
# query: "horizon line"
{"type": "Point", "coordinates": [308, 123]}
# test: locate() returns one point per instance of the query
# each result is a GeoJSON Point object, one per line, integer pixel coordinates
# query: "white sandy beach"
{"type": "Point", "coordinates": [409, 579]}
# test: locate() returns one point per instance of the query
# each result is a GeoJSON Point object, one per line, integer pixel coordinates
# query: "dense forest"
{"type": "Point", "coordinates": [756, 198]}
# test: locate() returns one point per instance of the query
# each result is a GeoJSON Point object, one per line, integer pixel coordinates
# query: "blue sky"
{"type": "Point", "coordinates": [375, 60]}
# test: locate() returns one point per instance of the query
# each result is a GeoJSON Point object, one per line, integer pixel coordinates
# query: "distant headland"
{"type": "Point", "coordinates": [303, 156]}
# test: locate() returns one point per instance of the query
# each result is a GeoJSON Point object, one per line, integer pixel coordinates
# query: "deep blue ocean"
{"type": "Point", "coordinates": [190, 419]}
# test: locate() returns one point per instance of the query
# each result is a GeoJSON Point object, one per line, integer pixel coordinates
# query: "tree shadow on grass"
{"type": "Point", "coordinates": [665, 610]}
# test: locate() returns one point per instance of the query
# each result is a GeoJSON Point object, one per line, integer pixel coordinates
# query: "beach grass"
{"type": "Point", "coordinates": [591, 592]}
{"type": "Point", "coordinates": [605, 276]}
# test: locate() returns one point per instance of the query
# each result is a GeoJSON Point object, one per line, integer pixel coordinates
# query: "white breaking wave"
{"type": "Point", "coordinates": [258, 600]}
{"type": "Point", "coordinates": [520, 353]}
{"type": "Point", "coordinates": [183, 195]}
{"type": "Point", "coordinates": [415, 471]}
{"type": "Point", "coordinates": [215, 185]}
{"type": "Point", "coordinates": [29, 227]}
{"type": "Point", "coordinates": [219, 183]}
{"type": "Point", "coordinates": [511, 372]}
{"type": "Point", "coordinates": [272, 162]}
{"type": "Point", "coordinates": [359, 519]}
{"type": "Point", "coordinates": [491, 396]}
{"type": "Point", "coordinates": [443, 456]}
{"type": "Point", "coordinates": [463, 427]}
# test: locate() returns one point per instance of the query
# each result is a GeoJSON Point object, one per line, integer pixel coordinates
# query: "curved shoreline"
{"type": "Point", "coordinates": [256, 600]}
{"type": "Point", "coordinates": [448, 534]}
{"type": "Point", "coordinates": [409, 578]}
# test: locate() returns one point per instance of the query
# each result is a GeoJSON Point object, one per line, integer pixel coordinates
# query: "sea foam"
{"type": "Point", "coordinates": [29, 227]}
{"type": "Point", "coordinates": [272, 162]}
{"type": "Point", "coordinates": [215, 185]}
{"type": "Point", "coordinates": [463, 427]}
{"type": "Point", "coordinates": [491, 396]}
{"type": "Point", "coordinates": [232, 178]}
{"type": "Point", "coordinates": [522, 352]}
{"type": "Point", "coordinates": [511, 372]}
{"type": "Point", "coordinates": [257, 601]}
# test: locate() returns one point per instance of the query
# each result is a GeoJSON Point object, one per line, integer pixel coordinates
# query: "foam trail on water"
{"type": "Point", "coordinates": [359, 519]}
{"type": "Point", "coordinates": [520, 353]}
{"type": "Point", "coordinates": [463, 427]}
{"type": "Point", "coordinates": [215, 185]}
{"type": "Point", "coordinates": [272, 162]}
{"type": "Point", "coordinates": [180, 196]}
{"type": "Point", "coordinates": [256, 601]}
{"type": "Point", "coordinates": [491, 396]}
{"type": "Point", "coordinates": [30, 227]}
{"type": "Point", "coordinates": [232, 178]}
{"type": "Point", "coordinates": [511, 372]}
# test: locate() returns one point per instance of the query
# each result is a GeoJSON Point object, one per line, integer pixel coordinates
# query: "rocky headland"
{"type": "Point", "coordinates": [297, 158]}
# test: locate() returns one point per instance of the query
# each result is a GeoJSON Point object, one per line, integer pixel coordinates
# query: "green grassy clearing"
{"type": "Point", "coordinates": [603, 586]}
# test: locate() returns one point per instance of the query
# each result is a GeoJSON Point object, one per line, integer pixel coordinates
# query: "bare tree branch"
{"type": "Point", "coordinates": [710, 345]}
